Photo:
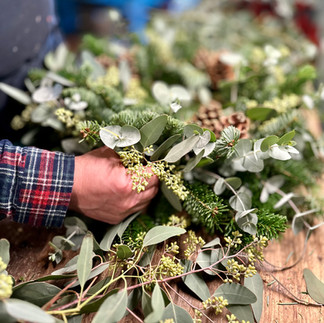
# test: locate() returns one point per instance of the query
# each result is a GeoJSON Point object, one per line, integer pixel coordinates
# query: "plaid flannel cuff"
{"type": "Point", "coordinates": [39, 185]}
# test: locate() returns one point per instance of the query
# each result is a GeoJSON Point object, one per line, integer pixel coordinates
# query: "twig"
{"type": "Point", "coordinates": [295, 298]}
{"type": "Point", "coordinates": [134, 315]}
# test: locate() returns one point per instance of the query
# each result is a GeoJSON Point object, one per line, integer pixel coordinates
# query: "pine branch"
{"type": "Point", "coordinates": [205, 207]}
{"type": "Point", "coordinates": [112, 97]}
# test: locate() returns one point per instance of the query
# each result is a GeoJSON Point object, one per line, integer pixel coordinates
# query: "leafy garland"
{"type": "Point", "coordinates": [218, 184]}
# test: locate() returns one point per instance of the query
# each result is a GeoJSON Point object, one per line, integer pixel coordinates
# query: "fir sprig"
{"type": "Point", "coordinates": [205, 207]}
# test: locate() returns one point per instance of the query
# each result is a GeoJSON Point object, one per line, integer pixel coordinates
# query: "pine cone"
{"type": "Point", "coordinates": [211, 63]}
{"type": "Point", "coordinates": [238, 120]}
{"type": "Point", "coordinates": [208, 116]}
{"type": "Point", "coordinates": [211, 117]}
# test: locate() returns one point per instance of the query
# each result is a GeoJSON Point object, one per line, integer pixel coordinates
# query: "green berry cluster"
{"type": "Point", "coordinates": [141, 170]}
{"type": "Point", "coordinates": [198, 316]}
{"type": "Point", "coordinates": [5, 282]}
{"type": "Point", "coordinates": [255, 251]}
{"type": "Point", "coordinates": [176, 221]}
{"type": "Point", "coordinates": [217, 303]}
{"type": "Point", "coordinates": [67, 117]}
{"type": "Point", "coordinates": [235, 241]}
{"type": "Point", "coordinates": [192, 243]}
{"type": "Point", "coordinates": [169, 267]}
{"type": "Point", "coordinates": [234, 269]}
{"type": "Point", "coordinates": [172, 178]}
{"type": "Point", "coordinates": [172, 248]}
{"type": "Point", "coordinates": [133, 160]}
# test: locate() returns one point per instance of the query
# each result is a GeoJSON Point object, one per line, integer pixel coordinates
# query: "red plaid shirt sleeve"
{"type": "Point", "coordinates": [35, 184]}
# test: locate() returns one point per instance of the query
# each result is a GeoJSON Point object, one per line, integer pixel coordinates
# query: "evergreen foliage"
{"type": "Point", "coordinates": [112, 97]}
{"type": "Point", "coordinates": [205, 207]}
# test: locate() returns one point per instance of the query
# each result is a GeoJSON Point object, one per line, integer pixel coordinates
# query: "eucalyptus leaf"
{"type": "Point", "coordinates": [236, 294]}
{"type": "Point", "coordinates": [118, 136]}
{"type": "Point", "coordinates": [193, 162]}
{"type": "Point", "coordinates": [219, 186]}
{"type": "Point", "coordinates": [248, 223]}
{"type": "Point", "coordinates": [260, 113]}
{"type": "Point", "coordinates": [74, 224]}
{"type": "Point", "coordinates": [129, 136]}
{"type": "Point", "coordinates": [177, 313]}
{"type": "Point", "coordinates": [161, 233]}
{"type": "Point", "coordinates": [241, 201]}
{"type": "Point", "coordinates": [94, 272]}
{"type": "Point", "coordinates": [268, 142]}
{"type": "Point", "coordinates": [252, 163]}
{"type": "Point", "coordinates": [122, 226]}
{"type": "Point", "coordinates": [158, 306]}
{"type": "Point", "coordinates": [178, 92]}
{"type": "Point", "coordinates": [279, 152]}
{"type": "Point", "coordinates": [195, 282]}
{"type": "Point", "coordinates": [208, 149]}
{"type": "Point", "coordinates": [146, 303]}
{"type": "Point", "coordinates": [255, 285]}
{"type": "Point", "coordinates": [112, 309]}
{"type": "Point", "coordinates": [96, 304]}
{"type": "Point", "coordinates": [284, 200]}
{"type": "Point", "coordinates": [84, 263]}
{"type": "Point", "coordinates": [172, 198]}
{"type": "Point", "coordinates": [242, 312]}
{"type": "Point", "coordinates": [4, 250]}
{"type": "Point", "coordinates": [46, 93]}
{"type": "Point", "coordinates": [181, 149]}
{"type": "Point", "coordinates": [148, 256]}
{"type": "Point", "coordinates": [243, 147]}
{"type": "Point", "coordinates": [165, 146]}
{"type": "Point", "coordinates": [4, 316]}
{"type": "Point", "coordinates": [315, 287]}
{"type": "Point", "coordinates": [192, 129]}
{"type": "Point", "coordinates": [286, 138]}
{"type": "Point", "coordinates": [95, 288]}
{"type": "Point", "coordinates": [15, 93]}
{"type": "Point", "coordinates": [212, 243]}
{"type": "Point", "coordinates": [25, 311]}
{"type": "Point", "coordinates": [161, 92]}
{"type": "Point", "coordinates": [109, 237]}
{"type": "Point", "coordinates": [204, 139]}
{"type": "Point", "coordinates": [59, 79]}
{"type": "Point", "coordinates": [152, 131]}
{"type": "Point", "coordinates": [209, 258]}
{"type": "Point", "coordinates": [134, 298]}
{"type": "Point", "coordinates": [124, 252]}
{"type": "Point", "coordinates": [75, 319]}
{"type": "Point", "coordinates": [37, 293]}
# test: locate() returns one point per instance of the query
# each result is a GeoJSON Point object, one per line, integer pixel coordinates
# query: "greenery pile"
{"type": "Point", "coordinates": [222, 127]}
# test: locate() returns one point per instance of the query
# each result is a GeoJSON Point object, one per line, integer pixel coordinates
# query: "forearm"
{"type": "Point", "coordinates": [35, 184]}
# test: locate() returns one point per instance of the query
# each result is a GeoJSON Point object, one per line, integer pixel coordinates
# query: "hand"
{"type": "Point", "coordinates": [102, 189]}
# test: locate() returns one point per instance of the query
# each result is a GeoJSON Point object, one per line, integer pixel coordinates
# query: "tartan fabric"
{"type": "Point", "coordinates": [35, 184]}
